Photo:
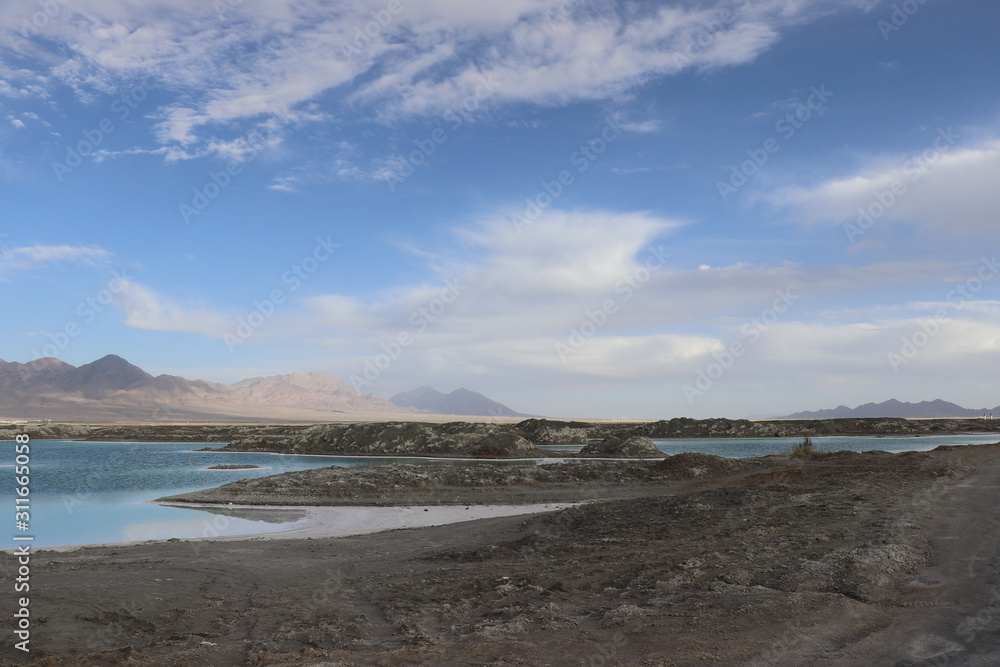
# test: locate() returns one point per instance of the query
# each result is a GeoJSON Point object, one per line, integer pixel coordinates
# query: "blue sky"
{"type": "Point", "coordinates": [589, 208]}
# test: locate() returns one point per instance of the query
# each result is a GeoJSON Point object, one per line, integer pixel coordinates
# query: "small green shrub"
{"type": "Point", "coordinates": [804, 448]}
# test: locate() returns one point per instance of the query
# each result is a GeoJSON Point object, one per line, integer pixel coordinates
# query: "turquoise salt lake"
{"type": "Point", "coordinates": [97, 492]}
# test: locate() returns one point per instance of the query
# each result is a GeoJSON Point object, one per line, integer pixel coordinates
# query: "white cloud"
{"type": "Point", "coordinates": [268, 57]}
{"type": "Point", "coordinates": [514, 285]}
{"type": "Point", "coordinates": [642, 127]}
{"type": "Point", "coordinates": [21, 83]}
{"type": "Point", "coordinates": [519, 295]}
{"type": "Point", "coordinates": [29, 257]}
{"type": "Point", "coordinates": [524, 292]}
{"type": "Point", "coordinates": [145, 309]}
{"type": "Point", "coordinates": [342, 314]}
{"type": "Point", "coordinates": [283, 184]}
{"type": "Point", "coordinates": [940, 187]}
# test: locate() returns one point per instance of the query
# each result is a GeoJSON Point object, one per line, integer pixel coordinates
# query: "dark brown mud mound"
{"type": "Point", "coordinates": [44, 431]}
{"type": "Point", "coordinates": [234, 466]}
{"type": "Point", "coordinates": [503, 444]}
{"type": "Point", "coordinates": [690, 465]}
{"type": "Point", "coordinates": [404, 484]}
{"type": "Point", "coordinates": [550, 432]}
{"type": "Point", "coordinates": [637, 446]}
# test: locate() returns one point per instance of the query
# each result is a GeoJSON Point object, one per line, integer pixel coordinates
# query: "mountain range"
{"type": "Point", "coordinates": [458, 402]}
{"type": "Point", "coordinates": [111, 389]}
{"type": "Point", "coordinates": [937, 409]}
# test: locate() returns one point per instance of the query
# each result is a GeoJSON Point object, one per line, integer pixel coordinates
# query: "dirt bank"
{"type": "Point", "coordinates": [843, 559]}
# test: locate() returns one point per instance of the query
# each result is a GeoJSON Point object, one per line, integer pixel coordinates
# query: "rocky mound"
{"type": "Point", "coordinates": [269, 437]}
{"type": "Point", "coordinates": [463, 439]}
{"type": "Point", "coordinates": [690, 464]}
{"type": "Point", "coordinates": [459, 439]}
{"type": "Point", "coordinates": [44, 432]}
{"type": "Point", "coordinates": [503, 444]}
{"type": "Point", "coordinates": [407, 484]}
{"type": "Point", "coordinates": [637, 446]}
{"type": "Point", "coordinates": [551, 432]}
{"type": "Point", "coordinates": [234, 466]}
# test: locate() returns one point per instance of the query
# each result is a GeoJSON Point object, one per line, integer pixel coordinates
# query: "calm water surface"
{"type": "Point", "coordinates": [92, 492]}
{"type": "Point", "coordinates": [738, 448]}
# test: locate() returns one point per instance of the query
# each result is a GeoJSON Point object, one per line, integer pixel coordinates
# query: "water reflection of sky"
{"type": "Point", "coordinates": [747, 447]}
{"type": "Point", "coordinates": [90, 492]}
{"type": "Point", "coordinates": [87, 492]}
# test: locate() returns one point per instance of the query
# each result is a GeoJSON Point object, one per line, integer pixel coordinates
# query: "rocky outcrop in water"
{"type": "Point", "coordinates": [469, 439]}
{"type": "Point", "coordinates": [268, 437]}
{"type": "Point", "coordinates": [553, 432]}
{"type": "Point", "coordinates": [637, 446]}
{"type": "Point", "coordinates": [776, 428]}
{"type": "Point", "coordinates": [397, 439]}
{"type": "Point", "coordinates": [45, 431]}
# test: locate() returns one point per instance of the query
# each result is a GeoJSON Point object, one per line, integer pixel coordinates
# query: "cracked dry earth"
{"type": "Point", "coordinates": [843, 559]}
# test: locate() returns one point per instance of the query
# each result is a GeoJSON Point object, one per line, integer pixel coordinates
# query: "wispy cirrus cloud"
{"type": "Point", "coordinates": [945, 188]}
{"type": "Point", "coordinates": [36, 256]}
{"type": "Point", "coordinates": [263, 58]}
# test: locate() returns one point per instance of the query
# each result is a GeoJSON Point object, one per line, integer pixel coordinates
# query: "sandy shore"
{"type": "Point", "coordinates": [844, 559]}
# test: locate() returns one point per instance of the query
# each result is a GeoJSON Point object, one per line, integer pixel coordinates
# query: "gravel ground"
{"type": "Point", "coordinates": [842, 559]}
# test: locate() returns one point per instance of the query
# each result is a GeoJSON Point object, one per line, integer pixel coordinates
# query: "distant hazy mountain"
{"type": "Point", "coordinates": [459, 402]}
{"type": "Point", "coordinates": [316, 390]}
{"type": "Point", "coordinates": [892, 408]}
{"type": "Point", "coordinates": [112, 389]}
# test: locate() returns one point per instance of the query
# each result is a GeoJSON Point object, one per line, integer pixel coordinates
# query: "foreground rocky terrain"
{"type": "Point", "coordinates": [840, 559]}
